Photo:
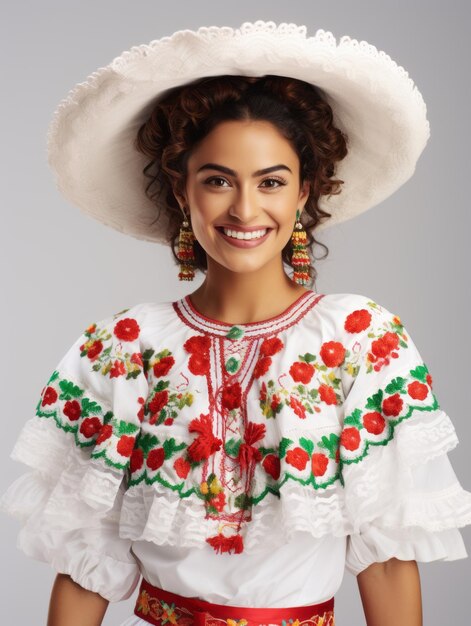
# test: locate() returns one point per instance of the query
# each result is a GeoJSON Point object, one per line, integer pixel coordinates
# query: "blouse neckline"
{"type": "Point", "coordinates": [190, 315]}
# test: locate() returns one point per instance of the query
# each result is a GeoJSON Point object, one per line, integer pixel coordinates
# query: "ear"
{"type": "Point", "coordinates": [304, 194]}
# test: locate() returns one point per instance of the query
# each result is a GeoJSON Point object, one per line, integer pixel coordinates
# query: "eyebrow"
{"type": "Point", "coordinates": [227, 170]}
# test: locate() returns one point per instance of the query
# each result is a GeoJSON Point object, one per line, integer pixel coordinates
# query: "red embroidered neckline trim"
{"type": "Point", "coordinates": [196, 320]}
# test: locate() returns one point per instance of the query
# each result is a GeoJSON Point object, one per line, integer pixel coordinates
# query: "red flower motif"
{"type": "Point", "coordinates": [429, 380]}
{"type": "Point", "coordinates": [90, 426]}
{"type": "Point", "coordinates": [105, 433]}
{"type": "Point", "coordinates": [136, 357]}
{"type": "Point", "coordinates": [332, 353]}
{"type": "Point", "coordinates": [271, 464]}
{"type": "Point", "coordinates": [301, 372]}
{"type": "Point", "coordinates": [125, 445]}
{"type": "Point", "coordinates": [157, 404]}
{"type": "Point", "coordinates": [206, 443]}
{"type": "Point", "coordinates": [327, 394]}
{"type": "Point", "coordinates": [218, 501]}
{"type": "Point", "coordinates": [168, 421]}
{"type": "Point", "coordinates": [198, 344]}
{"type": "Point", "coordinates": [94, 350]}
{"type": "Point", "coordinates": [271, 346]}
{"type": "Point", "coordinates": [350, 438]}
{"type": "Point", "coordinates": [319, 463]}
{"type": "Point", "coordinates": [140, 413]}
{"type": "Point", "coordinates": [392, 405]}
{"type": "Point", "coordinates": [374, 422]}
{"type": "Point", "coordinates": [297, 407]}
{"type": "Point", "coordinates": [137, 460]}
{"type": "Point", "coordinates": [163, 366]}
{"type": "Point", "coordinates": [127, 329]}
{"type": "Point", "coordinates": [198, 364]}
{"type": "Point", "coordinates": [231, 396]}
{"type": "Point", "coordinates": [417, 390]}
{"type": "Point", "coordinates": [73, 410]}
{"type": "Point", "coordinates": [261, 366]}
{"type": "Point", "coordinates": [263, 392]}
{"type": "Point", "coordinates": [357, 321]}
{"type": "Point", "coordinates": [91, 329]}
{"type": "Point", "coordinates": [182, 467]}
{"type": "Point", "coordinates": [50, 396]}
{"type": "Point", "coordinates": [155, 458]}
{"type": "Point", "coordinates": [297, 457]}
{"type": "Point", "coordinates": [275, 402]}
{"type": "Point", "coordinates": [384, 345]}
{"type": "Point", "coordinates": [118, 369]}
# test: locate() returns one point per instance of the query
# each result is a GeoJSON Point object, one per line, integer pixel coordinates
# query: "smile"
{"type": "Point", "coordinates": [244, 239]}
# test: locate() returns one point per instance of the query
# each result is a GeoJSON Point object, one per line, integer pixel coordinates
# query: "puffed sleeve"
{"type": "Point", "coordinates": [402, 496]}
{"type": "Point", "coordinates": [77, 448]}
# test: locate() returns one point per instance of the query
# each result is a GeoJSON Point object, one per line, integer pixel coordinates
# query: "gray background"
{"type": "Point", "coordinates": [62, 270]}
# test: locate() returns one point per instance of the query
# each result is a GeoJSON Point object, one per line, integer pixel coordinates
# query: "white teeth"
{"type": "Point", "coordinates": [237, 234]}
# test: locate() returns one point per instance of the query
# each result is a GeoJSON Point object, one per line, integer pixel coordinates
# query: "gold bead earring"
{"type": "Point", "coordinates": [186, 253]}
{"type": "Point", "coordinates": [300, 258]}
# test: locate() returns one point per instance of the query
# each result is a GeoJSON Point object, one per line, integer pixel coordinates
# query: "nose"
{"type": "Point", "coordinates": [245, 204]}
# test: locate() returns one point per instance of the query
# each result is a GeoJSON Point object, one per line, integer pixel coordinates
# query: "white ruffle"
{"type": "Point", "coordinates": [69, 506]}
{"type": "Point", "coordinates": [407, 483]}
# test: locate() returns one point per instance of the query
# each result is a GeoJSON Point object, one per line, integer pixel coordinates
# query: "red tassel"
{"type": "Point", "coordinates": [220, 543]}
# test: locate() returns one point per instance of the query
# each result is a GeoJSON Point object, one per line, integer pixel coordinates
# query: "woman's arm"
{"type": "Point", "coordinates": [72, 605]}
{"type": "Point", "coordinates": [390, 593]}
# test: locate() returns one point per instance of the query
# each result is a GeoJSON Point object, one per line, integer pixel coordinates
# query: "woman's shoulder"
{"type": "Point", "coordinates": [354, 311]}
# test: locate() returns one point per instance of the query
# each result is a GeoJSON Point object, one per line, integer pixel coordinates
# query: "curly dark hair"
{"type": "Point", "coordinates": [186, 114]}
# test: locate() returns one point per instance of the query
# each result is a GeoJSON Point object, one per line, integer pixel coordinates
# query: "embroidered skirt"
{"type": "Point", "coordinates": [163, 608]}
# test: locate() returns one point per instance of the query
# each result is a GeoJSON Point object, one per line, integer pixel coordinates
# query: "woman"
{"type": "Point", "coordinates": [240, 446]}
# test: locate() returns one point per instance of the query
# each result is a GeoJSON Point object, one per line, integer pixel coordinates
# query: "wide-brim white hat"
{"type": "Point", "coordinates": [374, 101]}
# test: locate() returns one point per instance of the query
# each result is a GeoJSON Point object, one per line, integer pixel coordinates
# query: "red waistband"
{"type": "Point", "coordinates": [164, 608]}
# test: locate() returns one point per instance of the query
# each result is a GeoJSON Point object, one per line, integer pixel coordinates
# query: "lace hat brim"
{"type": "Point", "coordinates": [374, 101]}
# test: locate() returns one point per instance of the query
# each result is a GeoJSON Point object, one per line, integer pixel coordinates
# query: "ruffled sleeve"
{"type": "Point", "coordinates": [77, 447]}
{"type": "Point", "coordinates": [402, 496]}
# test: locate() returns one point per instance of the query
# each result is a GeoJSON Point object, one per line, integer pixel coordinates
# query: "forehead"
{"type": "Point", "coordinates": [245, 142]}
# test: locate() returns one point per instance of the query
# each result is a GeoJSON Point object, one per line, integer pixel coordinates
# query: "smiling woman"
{"type": "Point", "coordinates": [246, 128]}
{"type": "Point", "coordinates": [243, 445]}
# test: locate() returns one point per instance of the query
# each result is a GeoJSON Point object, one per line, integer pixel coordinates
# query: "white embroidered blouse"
{"type": "Point", "coordinates": [243, 464]}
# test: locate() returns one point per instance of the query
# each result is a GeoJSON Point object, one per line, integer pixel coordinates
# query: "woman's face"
{"type": "Point", "coordinates": [244, 175]}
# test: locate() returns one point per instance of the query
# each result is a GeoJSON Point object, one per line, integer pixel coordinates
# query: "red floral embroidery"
{"type": "Point", "coordinates": [182, 467]}
{"type": "Point", "coordinates": [125, 445]}
{"type": "Point", "coordinates": [350, 438]}
{"type": "Point", "coordinates": [248, 454]}
{"type": "Point", "coordinates": [206, 443]}
{"type": "Point", "coordinates": [226, 544]}
{"type": "Point", "coordinates": [50, 396]}
{"type": "Point", "coordinates": [271, 464]}
{"type": "Point", "coordinates": [118, 369]}
{"type": "Point", "coordinates": [297, 457]}
{"type": "Point", "coordinates": [163, 366]}
{"type": "Point", "coordinates": [94, 350]}
{"type": "Point", "coordinates": [417, 390]}
{"type": "Point", "coordinates": [301, 372]}
{"type": "Point", "coordinates": [137, 460]}
{"type": "Point", "coordinates": [232, 396]}
{"type": "Point", "coordinates": [271, 346]}
{"type": "Point", "coordinates": [90, 426]}
{"type": "Point", "coordinates": [127, 329]}
{"type": "Point", "coordinates": [297, 407]}
{"type": "Point", "coordinates": [156, 405]}
{"type": "Point", "coordinates": [155, 458]}
{"type": "Point", "coordinates": [374, 422]}
{"type": "Point", "coordinates": [332, 353]}
{"type": "Point", "coordinates": [357, 321]}
{"type": "Point", "coordinates": [72, 409]}
{"type": "Point", "coordinates": [393, 405]}
{"type": "Point", "coordinates": [105, 433]}
{"type": "Point", "coordinates": [327, 394]}
{"type": "Point", "coordinates": [319, 464]}
{"type": "Point", "coordinates": [262, 366]}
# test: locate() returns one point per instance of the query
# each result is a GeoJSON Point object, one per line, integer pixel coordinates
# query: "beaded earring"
{"type": "Point", "coordinates": [300, 258]}
{"type": "Point", "coordinates": [185, 253]}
